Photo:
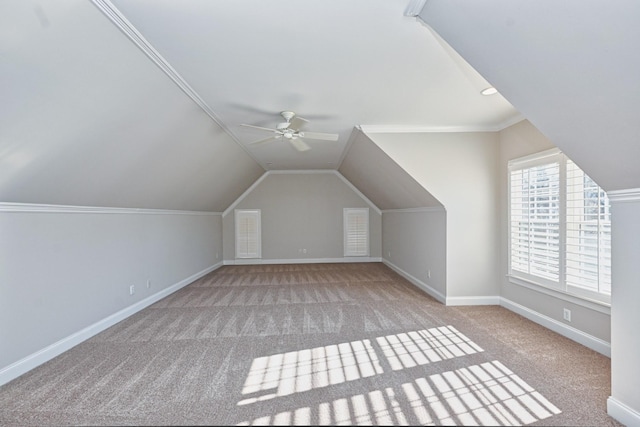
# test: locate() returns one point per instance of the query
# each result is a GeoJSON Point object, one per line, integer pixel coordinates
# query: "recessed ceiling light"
{"type": "Point", "coordinates": [489, 91]}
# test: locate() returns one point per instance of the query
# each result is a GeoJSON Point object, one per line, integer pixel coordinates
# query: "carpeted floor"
{"type": "Point", "coordinates": [316, 344]}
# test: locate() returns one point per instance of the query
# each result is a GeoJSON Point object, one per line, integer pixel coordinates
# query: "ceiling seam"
{"type": "Point", "coordinates": [119, 20]}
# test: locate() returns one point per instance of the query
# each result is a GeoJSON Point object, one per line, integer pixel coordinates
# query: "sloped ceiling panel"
{"type": "Point", "coordinates": [87, 119]}
{"type": "Point", "coordinates": [380, 178]}
{"type": "Point", "coordinates": [570, 67]}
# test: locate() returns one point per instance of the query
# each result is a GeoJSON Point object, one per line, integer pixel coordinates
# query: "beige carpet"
{"type": "Point", "coordinates": [317, 344]}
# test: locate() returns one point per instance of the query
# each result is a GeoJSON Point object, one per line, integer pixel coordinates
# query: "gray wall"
{"type": "Point", "coordinates": [64, 271]}
{"type": "Point", "coordinates": [516, 141]}
{"type": "Point", "coordinates": [302, 210]}
{"type": "Point", "coordinates": [414, 241]}
{"type": "Point", "coordinates": [460, 170]}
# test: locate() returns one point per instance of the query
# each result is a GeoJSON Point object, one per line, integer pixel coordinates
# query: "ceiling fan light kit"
{"type": "Point", "coordinates": [290, 130]}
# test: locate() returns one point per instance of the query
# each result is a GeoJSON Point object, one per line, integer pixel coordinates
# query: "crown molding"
{"type": "Point", "coordinates": [245, 194]}
{"type": "Point", "coordinates": [410, 210]}
{"type": "Point", "coordinates": [355, 133]}
{"type": "Point", "coordinates": [358, 192]}
{"type": "Point", "coordinates": [120, 21]}
{"type": "Point", "coordinates": [510, 122]}
{"type": "Point", "coordinates": [300, 172]}
{"type": "Point", "coordinates": [622, 196]}
{"type": "Point", "coordinates": [42, 208]}
{"type": "Point", "coordinates": [373, 129]}
{"type": "Point", "coordinates": [414, 8]}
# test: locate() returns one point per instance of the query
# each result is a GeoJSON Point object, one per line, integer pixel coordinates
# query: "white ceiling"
{"type": "Point", "coordinates": [339, 64]}
{"type": "Point", "coordinates": [138, 103]}
{"type": "Point", "coordinates": [571, 67]}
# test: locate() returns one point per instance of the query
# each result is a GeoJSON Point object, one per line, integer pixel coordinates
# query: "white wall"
{"type": "Point", "coordinates": [460, 170]}
{"type": "Point", "coordinates": [414, 244]}
{"type": "Point", "coordinates": [64, 270]}
{"type": "Point", "coordinates": [624, 403]}
{"type": "Point", "coordinates": [592, 319]}
{"type": "Point", "coordinates": [302, 210]}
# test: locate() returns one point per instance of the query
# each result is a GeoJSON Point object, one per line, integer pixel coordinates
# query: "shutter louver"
{"type": "Point", "coordinates": [588, 263]}
{"type": "Point", "coordinates": [535, 221]}
{"type": "Point", "coordinates": [356, 232]}
{"type": "Point", "coordinates": [559, 227]}
{"type": "Point", "coordinates": [248, 234]}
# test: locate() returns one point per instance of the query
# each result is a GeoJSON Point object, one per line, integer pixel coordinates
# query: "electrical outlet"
{"type": "Point", "coordinates": [388, 254]}
{"type": "Point", "coordinates": [566, 314]}
{"type": "Point", "coordinates": [304, 251]}
{"type": "Point", "coordinates": [429, 274]}
{"type": "Point", "coordinates": [132, 289]}
{"type": "Point", "coordinates": [148, 283]}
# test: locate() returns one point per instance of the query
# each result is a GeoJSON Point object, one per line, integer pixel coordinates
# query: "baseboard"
{"type": "Point", "coordinates": [572, 333]}
{"type": "Point", "coordinates": [301, 260]}
{"type": "Point", "coordinates": [30, 362]}
{"type": "Point", "coordinates": [483, 300]}
{"type": "Point", "coordinates": [416, 282]}
{"type": "Point", "coordinates": [622, 412]}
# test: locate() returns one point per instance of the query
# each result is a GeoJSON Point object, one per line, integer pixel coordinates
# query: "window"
{"type": "Point", "coordinates": [356, 232]}
{"type": "Point", "coordinates": [248, 243]}
{"type": "Point", "coordinates": [559, 226]}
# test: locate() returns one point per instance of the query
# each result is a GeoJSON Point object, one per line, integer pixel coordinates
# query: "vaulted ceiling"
{"type": "Point", "coordinates": [139, 103]}
{"type": "Point", "coordinates": [570, 67]}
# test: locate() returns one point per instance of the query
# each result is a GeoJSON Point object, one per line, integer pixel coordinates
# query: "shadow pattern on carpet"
{"type": "Point", "coordinates": [314, 344]}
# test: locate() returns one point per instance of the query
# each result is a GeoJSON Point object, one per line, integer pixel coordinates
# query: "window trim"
{"type": "Point", "coordinates": [550, 287]}
{"type": "Point", "coordinates": [347, 252]}
{"type": "Point", "coordinates": [256, 213]}
{"type": "Point", "coordinates": [596, 305]}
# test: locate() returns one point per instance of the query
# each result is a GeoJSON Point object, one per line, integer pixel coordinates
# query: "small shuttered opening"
{"type": "Point", "coordinates": [248, 242]}
{"type": "Point", "coordinates": [356, 232]}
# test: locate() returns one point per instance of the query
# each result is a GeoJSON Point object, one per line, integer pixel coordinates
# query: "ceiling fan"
{"type": "Point", "coordinates": [290, 130]}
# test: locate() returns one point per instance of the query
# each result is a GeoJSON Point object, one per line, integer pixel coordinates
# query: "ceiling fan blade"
{"type": "Point", "coordinates": [299, 144]}
{"type": "Point", "coordinates": [260, 141]}
{"type": "Point", "coordinates": [258, 127]}
{"type": "Point", "coordinates": [297, 122]}
{"type": "Point", "coordinates": [319, 135]}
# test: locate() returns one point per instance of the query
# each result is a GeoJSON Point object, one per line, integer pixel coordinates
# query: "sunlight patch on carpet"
{"type": "Point", "coordinates": [488, 394]}
{"type": "Point", "coordinates": [415, 348]}
{"type": "Point", "coordinates": [284, 374]}
{"type": "Point", "coordinates": [298, 371]}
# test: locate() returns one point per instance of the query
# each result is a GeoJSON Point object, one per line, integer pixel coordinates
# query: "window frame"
{"type": "Point", "coordinates": [349, 252]}
{"type": "Point", "coordinates": [534, 281]}
{"type": "Point", "coordinates": [256, 215]}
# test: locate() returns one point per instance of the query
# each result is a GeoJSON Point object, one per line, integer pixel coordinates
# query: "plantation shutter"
{"type": "Point", "coordinates": [588, 262]}
{"type": "Point", "coordinates": [559, 227]}
{"type": "Point", "coordinates": [356, 232]}
{"type": "Point", "coordinates": [248, 244]}
{"type": "Point", "coordinates": [535, 220]}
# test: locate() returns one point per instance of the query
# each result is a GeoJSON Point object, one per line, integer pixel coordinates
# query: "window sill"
{"type": "Point", "coordinates": [599, 306]}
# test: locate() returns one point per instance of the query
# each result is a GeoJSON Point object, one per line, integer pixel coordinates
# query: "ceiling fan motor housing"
{"type": "Point", "coordinates": [288, 115]}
